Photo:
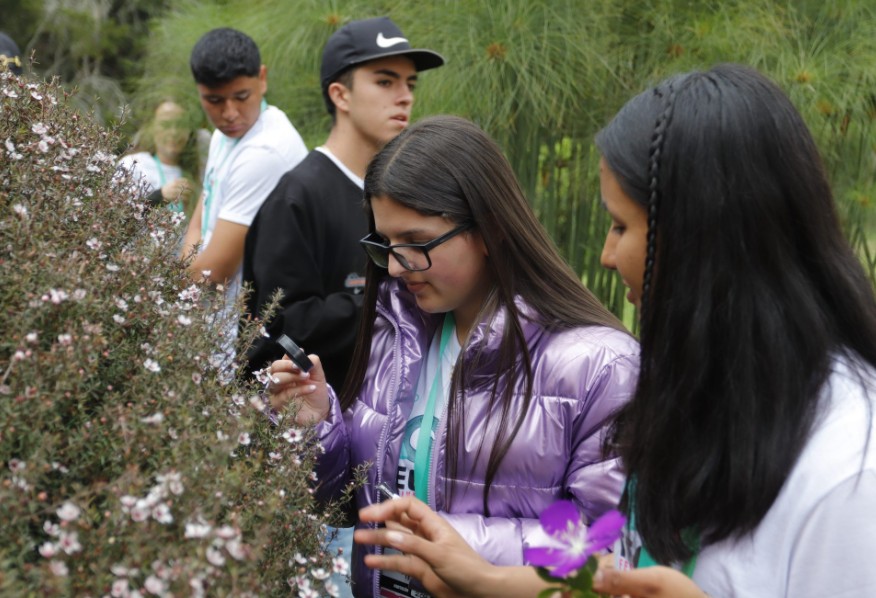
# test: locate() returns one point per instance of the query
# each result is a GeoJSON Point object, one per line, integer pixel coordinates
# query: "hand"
{"type": "Point", "coordinates": [650, 582]}
{"type": "Point", "coordinates": [307, 389]}
{"type": "Point", "coordinates": [436, 555]}
{"type": "Point", "coordinates": [177, 190]}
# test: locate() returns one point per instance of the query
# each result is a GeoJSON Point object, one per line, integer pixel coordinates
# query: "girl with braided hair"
{"type": "Point", "coordinates": [748, 444]}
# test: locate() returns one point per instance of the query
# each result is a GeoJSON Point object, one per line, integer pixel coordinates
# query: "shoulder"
{"type": "Point", "coordinates": [586, 361]}
{"type": "Point", "coordinates": [314, 180]}
{"type": "Point", "coordinates": [842, 441]}
{"type": "Point", "coordinates": [130, 160]}
{"type": "Point", "coordinates": [274, 133]}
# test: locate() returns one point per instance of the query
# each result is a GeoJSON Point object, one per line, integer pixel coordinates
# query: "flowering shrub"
{"type": "Point", "coordinates": [130, 465]}
{"type": "Point", "coordinates": [569, 561]}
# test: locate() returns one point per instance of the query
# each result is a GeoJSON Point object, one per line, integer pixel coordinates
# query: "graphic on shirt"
{"type": "Point", "coordinates": [407, 457]}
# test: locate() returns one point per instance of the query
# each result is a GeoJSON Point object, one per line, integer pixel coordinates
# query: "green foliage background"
{"type": "Point", "coordinates": [540, 76]}
{"type": "Point", "coordinates": [543, 76]}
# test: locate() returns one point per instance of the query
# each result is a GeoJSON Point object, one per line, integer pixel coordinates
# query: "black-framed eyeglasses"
{"type": "Point", "coordinates": [411, 256]}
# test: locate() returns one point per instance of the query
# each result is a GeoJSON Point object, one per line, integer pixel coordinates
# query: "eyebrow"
{"type": "Point", "coordinates": [393, 74]}
{"type": "Point", "coordinates": [405, 234]}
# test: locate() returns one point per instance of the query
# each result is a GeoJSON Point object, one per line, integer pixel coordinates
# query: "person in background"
{"type": "Point", "coordinates": [157, 169]}
{"type": "Point", "coordinates": [749, 443]}
{"type": "Point", "coordinates": [304, 241]}
{"type": "Point", "coordinates": [251, 148]}
{"type": "Point", "coordinates": [484, 374]}
{"type": "Point", "coordinates": [10, 55]}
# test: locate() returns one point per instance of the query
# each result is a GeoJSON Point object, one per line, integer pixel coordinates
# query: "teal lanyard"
{"type": "Point", "coordinates": [176, 207]}
{"type": "Point", "coordinates": [209, 184]}
{"type": "Point", "coordinates": [645, 558]}
{"type": "Point", "coordinates": [424, 440]}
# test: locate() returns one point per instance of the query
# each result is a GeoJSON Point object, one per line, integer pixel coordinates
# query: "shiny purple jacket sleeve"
{"type": "Point", "coordinates": [593, 480]}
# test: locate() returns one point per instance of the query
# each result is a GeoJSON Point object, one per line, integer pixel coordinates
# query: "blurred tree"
{"type": "Point", "coordinates": [93, 45]}
{"type": "Point", "coordinates": [543, 76]}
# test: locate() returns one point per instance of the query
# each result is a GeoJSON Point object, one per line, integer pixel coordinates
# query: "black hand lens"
{"type": "Point", "coordinates": [296, 353]}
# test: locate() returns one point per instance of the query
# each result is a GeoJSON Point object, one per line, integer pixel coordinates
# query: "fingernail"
{"type": "Point", "coordinates": [395, 538]}
{"type": "Point", "coordinates": [597, 577]}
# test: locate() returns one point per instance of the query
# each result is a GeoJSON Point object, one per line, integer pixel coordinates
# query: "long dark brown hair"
{"type": "Point", "coordinates": [447, 166]}
{"type": "Point", "coordinates": [751, 293]}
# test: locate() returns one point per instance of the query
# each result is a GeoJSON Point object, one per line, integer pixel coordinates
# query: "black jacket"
{"type": "Point", "coordinates": [305, 241]}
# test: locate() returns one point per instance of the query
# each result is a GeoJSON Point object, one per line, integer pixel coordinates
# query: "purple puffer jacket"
{"type": "Point", "coordinates": [581, 377]}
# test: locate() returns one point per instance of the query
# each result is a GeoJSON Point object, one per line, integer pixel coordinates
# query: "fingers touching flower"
{"type": "Point", "coordinates": [573, 541]}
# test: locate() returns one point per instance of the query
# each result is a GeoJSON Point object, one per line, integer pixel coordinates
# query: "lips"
{"type": "Point", "coordinates": [401, 118]}
{"type": "Point", "coordinates": [415, 287]}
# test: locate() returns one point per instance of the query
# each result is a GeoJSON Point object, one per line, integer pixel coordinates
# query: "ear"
{"type": "Point", "coordinates": [263, 78]}
{"type": "Point", "coordinates": [340, 96]}
{"type": "Point", "coordinates": [482, 245]}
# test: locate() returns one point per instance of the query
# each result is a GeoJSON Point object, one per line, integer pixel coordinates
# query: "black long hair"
{"type": "Point", "coordinates": [751, 293]}
{"type": "Point", "coordinates": [446, 166]}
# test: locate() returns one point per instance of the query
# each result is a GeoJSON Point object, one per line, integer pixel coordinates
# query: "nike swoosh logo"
{"type": "Point", "coordinates": [388, 42]}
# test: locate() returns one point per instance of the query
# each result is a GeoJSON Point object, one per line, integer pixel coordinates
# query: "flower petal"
{"type": "Point", "coordinates": [559, 517]}
{"type": "Point", "coordinates": [605, 530]}
{"type": "Point", "coordinates": [561, 561]}
{"type": "Point", "coordinates": [542, 557]}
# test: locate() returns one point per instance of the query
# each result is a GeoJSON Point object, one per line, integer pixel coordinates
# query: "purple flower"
{"type": "Point", "coordinates": [573, 541]}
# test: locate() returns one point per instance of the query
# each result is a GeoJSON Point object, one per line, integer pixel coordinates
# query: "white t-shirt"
{"type": "Point", "coordinates": [819, 537]}
{"type": "Point", "coordinates": [241, 173]}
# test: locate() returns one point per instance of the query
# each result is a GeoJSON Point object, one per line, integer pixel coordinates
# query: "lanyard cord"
{"type": "Point", "coordinates": [209, 185]}
{"type": "Point", "coordinates": [177, 206]}
{"type": "Point", "coordinates": [424, 440]}
{"type": "Point", "coordinates": [161, 179]}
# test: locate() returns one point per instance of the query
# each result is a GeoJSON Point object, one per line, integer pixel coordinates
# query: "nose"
{"type": "Point", "coordinates": [607, 257]}
{"type": "Point", "coordinates": [393, 266]}
{"type": "Point", "coordinates": [406, 98]}
{"type": "Point", "coordinates": [229, 111]}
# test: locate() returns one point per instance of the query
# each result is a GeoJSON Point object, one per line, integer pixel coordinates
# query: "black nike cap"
{"type": "Point", "coordinates": [369, 39]}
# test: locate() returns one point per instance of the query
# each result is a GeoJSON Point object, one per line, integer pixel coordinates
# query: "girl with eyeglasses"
{"type": "Point", "coordinates": [485, 374]}
{"type": "Point", "coordinates": [749, 443]}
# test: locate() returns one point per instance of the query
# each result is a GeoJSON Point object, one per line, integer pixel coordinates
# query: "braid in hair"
{"type": "Point", "coordinates": [657, 141]}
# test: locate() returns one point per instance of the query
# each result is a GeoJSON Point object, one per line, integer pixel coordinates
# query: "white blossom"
{"type": "Point", "coordinates": [69, 512]}
{"type": "Point", "coordinates": [153, 585]}
{"type": "Point", "coordinates": [151, 365]}
{"type": "Point", "coordinates": [197, 529]}
{"type": "Point", "coordinates": [215, 557]}
{"type": "Point", "coordinates": [69, 542]}
{"type": "Point", "coordinates": [48, 550]}
{"type": "Point", "coordinates": [59, 568]}
{"type": "Point", "coordinates": [161, 513]}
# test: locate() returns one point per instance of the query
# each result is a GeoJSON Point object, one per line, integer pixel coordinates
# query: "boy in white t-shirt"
{"type": "Point", "coordinates": [253, 145]}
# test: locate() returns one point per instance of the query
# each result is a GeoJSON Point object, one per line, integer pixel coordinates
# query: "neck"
{"type": "Point", "coordinates": [464, 323]}
{"type": "Point", "coordinates": [351, 148]}
{"type": "Point", "coordinates": [169, 159]}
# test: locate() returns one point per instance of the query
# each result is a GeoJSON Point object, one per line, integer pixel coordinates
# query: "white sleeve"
{"type": "Point", "coordinates": [252, 176]}
{"type": "Point", "coordinates": [833, 555]}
